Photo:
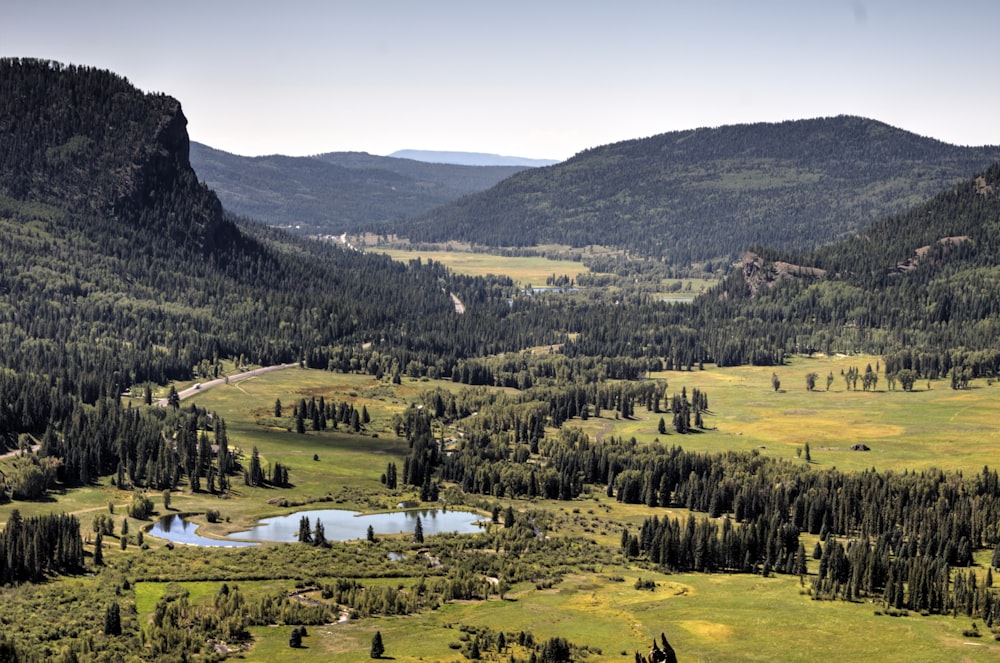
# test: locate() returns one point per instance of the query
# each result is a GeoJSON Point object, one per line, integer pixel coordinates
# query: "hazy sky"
{"type": "Point", "coordinates": [534, 78]}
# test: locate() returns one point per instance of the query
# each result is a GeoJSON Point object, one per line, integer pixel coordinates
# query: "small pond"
{"type": "Point", "coordinates": [338, 525]}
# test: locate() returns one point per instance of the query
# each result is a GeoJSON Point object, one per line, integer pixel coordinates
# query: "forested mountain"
{"type": "Point", "coordinates": [688, 196]}
{"type": "Point", "coordinates": [922, 286]}
{"type": "Point", "coordinates": [337, 191]}
{"type": "Point", "coordinates": [117, 266]}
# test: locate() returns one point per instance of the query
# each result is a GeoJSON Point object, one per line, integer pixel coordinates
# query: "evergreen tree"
{"type": "Point", "coordinates": [112, 619]}
{"type": "Point", "coordinates": [99, 550]}
{"type": "Point", "coordinates": [418, 531]}
{"type": "Point", "coordinates": [378, 649]}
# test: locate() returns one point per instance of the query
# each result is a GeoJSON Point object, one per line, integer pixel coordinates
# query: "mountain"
{"type": "Point", "coordinates": [471, 158]}
{"type": "Point", "coordinates": [688, 196]}
{"type": "Point", "coordinates": [338, 191]}
{"type": "Point", "coordinates": [921, 287]}
{"type": "Point", "coordinates": [118, 267]}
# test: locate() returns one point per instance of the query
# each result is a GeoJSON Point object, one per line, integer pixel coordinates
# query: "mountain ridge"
{"type": "Point", "coordinates": [334, 192]}
{"type": "Point", "coordinates": [471, 158]}
{"type": "Point", "coordinates": [704, 194]}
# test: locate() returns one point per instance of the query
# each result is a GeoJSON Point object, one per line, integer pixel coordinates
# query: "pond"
{"type": "Point", "coordinates": [176, 528]}
{"type": "Point", "coordinates": [338, 525]}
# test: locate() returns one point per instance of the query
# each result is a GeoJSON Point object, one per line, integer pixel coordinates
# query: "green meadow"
{"type": "Point", "coordinates": [524, 271]}
{"type": "Point", "coordinates": [706, 617]}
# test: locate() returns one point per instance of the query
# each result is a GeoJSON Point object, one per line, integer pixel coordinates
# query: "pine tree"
{"type": "Point", "coordinates": [99, 550]}
{"type": "Point", "coordinates": [378, 649]}
{"type": "Point", "coordinates": [418, 531]}
{"type": "Point", "coordinates": [112, 619]}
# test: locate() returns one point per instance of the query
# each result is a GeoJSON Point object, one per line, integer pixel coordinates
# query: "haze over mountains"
{"type": "Point", "coordinates": [336, 191]}
{"type": "Point", "coordinates": [470, 158]}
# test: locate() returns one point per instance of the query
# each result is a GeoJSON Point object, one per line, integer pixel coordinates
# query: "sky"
{"type": "Point", "coordinates": [528, 78]}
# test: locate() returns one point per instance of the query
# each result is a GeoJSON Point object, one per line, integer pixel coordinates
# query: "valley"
{"type": "Point", "coordinates": [762, 441]}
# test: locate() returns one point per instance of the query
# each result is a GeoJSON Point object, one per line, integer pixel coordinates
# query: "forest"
{"type": "Point", "coordinates": [122, 275]}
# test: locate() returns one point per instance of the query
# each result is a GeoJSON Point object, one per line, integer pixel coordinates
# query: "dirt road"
{"type": "Point", "coordinates": [239, 377]}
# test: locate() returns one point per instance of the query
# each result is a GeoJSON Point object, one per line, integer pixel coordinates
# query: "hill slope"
{"type": "Point", "coordinates": [708, 193]}
{"type": "Point", "coordinates": [117, 266]}
{"type": "Point", "coordinates": [337, 191]}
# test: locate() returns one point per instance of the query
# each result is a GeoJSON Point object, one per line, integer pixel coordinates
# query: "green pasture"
{"type": "Point", "coordinates": [522, 270]}
{"type": "Point", "coordinates": [705, 618]}
{"type": "Point", "coordinates": [928, 427]}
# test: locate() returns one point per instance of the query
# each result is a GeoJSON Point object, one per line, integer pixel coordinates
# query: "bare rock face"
{"type": "Point", "coordinates": [88, 143]}
{"type": "Point", "coordinates": [758, 274]}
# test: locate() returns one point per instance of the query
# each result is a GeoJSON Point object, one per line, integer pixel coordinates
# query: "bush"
{"type": "Point", "coordinates": [141, 507]}
{"type": "Point", "coordinates": [212, 515]}
{"type": "Point", "coordinates": [645, 584]}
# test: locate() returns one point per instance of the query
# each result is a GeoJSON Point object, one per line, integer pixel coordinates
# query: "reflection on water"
{"type": "Point", "coordinates": [341, 525]}
{"type": "Point", "coordinates": [338, 525]}
{"type": "Point", "coordinates": [177, 529]}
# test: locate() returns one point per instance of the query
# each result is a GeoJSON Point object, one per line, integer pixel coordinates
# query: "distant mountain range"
{"type": "Point", "coordinates": [471, 158]}
{"type": "Point", "coordinates": [690, 196]}
{"type": "Point", "coordinates": [337, 191]}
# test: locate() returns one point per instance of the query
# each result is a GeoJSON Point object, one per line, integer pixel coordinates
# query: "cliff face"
{"type": "Point", "coordinates": [86, 142]}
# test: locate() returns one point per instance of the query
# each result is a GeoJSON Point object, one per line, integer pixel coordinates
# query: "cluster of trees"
{"type": "Point", "coordinates": [761, 545]}
{"type": "Point", "coordinates": [322, 415]}
{"type": "Point", "coordinates": [32, 547]}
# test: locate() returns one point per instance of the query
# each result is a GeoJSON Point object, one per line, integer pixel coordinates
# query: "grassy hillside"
{"type": "Point", "coordinates": [713, 193]}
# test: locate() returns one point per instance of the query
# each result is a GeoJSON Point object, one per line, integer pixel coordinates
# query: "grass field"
{"type": "Point", "coordinates": [523, 271]}
{"type": "Point", "coordinates": [705, 618]}
{"type": "Point", "coordinates": [533, 271]}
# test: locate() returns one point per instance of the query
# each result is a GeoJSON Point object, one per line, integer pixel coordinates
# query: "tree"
{"type": "Point", "coordinates": [378, 649]}
{"type": "Point", "coordinates": [112, 619]}
{"type": "Point", "coordinates": [418, 532]}
{"type": "Point", "coordinates": [811, 381]}
{"type": "Point", "coordinates": [99, 550]}
{"type": "Point", "coordinates": [277, 408]}
{"type": "Point", "coordinates": [305, 534]}
{"type": "Point", "coordinates": [173, 399]}
{"type": "Point", "coordinates": [775, 382]}
{"type": "Point", "coordinates": [295, 639]}
{"type": "Point", "coordinates": [166, 499]}
{"type": "Point", "coordinates": [829, 380]}
{"type": "Point", "coordinates": [371, 533]}
{"type": "Point", "coordinates": [907, 377]}
{"type": "Point", "coordinates": [319, 534]}
{"type": "Point", "coordinates": [808, 455]}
